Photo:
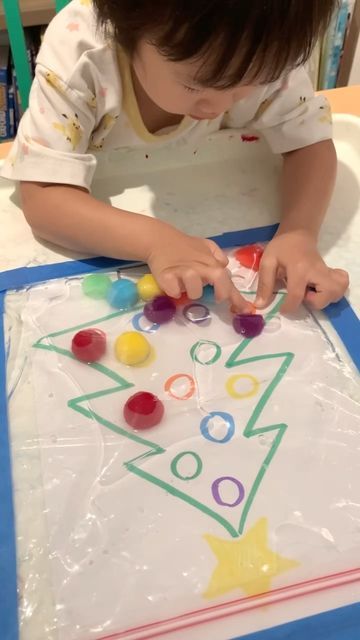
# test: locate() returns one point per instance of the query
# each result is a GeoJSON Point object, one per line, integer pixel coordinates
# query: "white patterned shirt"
{"type": "Point", "coordinates": [82, 102]}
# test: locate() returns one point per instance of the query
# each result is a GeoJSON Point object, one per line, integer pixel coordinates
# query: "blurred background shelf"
{"type": "Point", "coordinates": [34, 12]}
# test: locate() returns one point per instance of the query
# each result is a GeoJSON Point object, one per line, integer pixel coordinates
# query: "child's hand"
{"type": "Point", "coordinates": [184, 263]}
{"type": "Point", "coordinates": [292, 256]}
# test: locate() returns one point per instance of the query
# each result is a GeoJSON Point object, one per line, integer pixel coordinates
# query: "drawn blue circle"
{"type": "Point", "coordinates": [137, 326]}
{"type": "Point", "coordinates": [229, 421]}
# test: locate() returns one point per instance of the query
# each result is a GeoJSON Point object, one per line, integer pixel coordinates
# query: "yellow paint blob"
{"type": "Point", "coordinates": [132, 348]}
{"type": "Point", "coordinates": [148, 288]}
{"type": "Point", "coordinates": [247, 563]}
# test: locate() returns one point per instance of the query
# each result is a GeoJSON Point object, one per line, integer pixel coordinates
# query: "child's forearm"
{"type": "Point", "coordinates": [308, 180]}
{"type": "Point", "coordinates": [292, 256]}
{"type": "Point", "coordinates": [71, 217]}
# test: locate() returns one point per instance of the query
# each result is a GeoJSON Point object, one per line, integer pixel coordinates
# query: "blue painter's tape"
{"type": "Point", "coordinates": [246, 236]}
{"type": "Point", "coordinates": [26, 276]}
{"type": "Point", "coordinates": [8, 576]}
{"type": "Point", "coordinates": [338, 624]}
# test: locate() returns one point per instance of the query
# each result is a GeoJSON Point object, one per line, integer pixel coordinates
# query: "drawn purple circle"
{"type": "Point", "coordinates": [216, 493]}
{"type": "Point", "coordinates": [196, 312]}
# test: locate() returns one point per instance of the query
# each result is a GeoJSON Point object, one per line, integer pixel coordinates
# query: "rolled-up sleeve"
{"type": "Point", "coordinates": [53, 137]}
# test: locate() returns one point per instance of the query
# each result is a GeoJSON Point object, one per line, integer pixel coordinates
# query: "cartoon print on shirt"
{"type": "Point", "coordinates": [54, 81]}
{"type": "Point", "coordinates": [326, 116]}
{"type": "Point", "coordinates": [98, 136]}
{"type": "Point", "coordinates": [91, 101]}
{"type": "Point", "coordinates": [264, 106]}
{"type": "Point", "coordinates": [73, 26]}
{"type": "Point", "coordinates": [71, 130]}
{"type": "Point", "coordinates": [107, 122]}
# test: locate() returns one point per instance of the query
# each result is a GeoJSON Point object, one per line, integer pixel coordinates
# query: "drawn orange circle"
{"type": "Point", "coordinates": [169, 383]}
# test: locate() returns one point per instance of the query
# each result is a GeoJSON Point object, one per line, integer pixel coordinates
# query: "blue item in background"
{"type": "Point", "coordinates": [334, 47]}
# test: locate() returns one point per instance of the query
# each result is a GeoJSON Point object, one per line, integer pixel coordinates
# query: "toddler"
{"type": "Point", "coordinates": [117, 74]}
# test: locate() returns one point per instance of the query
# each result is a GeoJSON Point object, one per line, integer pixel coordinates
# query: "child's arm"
{"type": "Point", "coordinates": [307, 185]}
{"type": "Point", "coordinates": [297, 124]}
{"type": "Point", "coordinates": [71, 217]}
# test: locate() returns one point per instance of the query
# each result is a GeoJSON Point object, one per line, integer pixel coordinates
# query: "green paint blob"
{"type": "Point", "coordinates": [96, 286]}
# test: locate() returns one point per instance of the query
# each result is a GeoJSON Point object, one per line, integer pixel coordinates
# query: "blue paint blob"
{"type": "Point", "coordinates": [208, 294]}
{"type": "Point", "coordinates": [123, 294]}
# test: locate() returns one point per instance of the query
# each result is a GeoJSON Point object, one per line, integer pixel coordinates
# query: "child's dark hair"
{"type": "Point", "coordinates": [235, 40]}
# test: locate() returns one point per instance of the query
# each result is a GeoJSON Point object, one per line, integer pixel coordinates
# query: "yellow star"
{"type": "Point", "coordinates": [246, 563]}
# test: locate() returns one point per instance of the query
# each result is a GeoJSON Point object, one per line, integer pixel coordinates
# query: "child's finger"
{"type": "Point", "coordinates": [225, 289]}
{"type": "Point", "coordinates": [330, 288]}
{"type": "Point", "coordinates": [221, 281]}
{"type": "Point", "coordinates": [218, 253]}
{"type": "Point", "coordinates": [321, 299]}
{"type": "Point", "coordinates": [169, 282]}
{"type": "Point", "coordinates": [267, 280]}
{"type": "Point", "coordinates": [192, 283]}
{"type": "Point", "coordinates": [342, 279]}
{"type": "Point", "coordinates": [317, 299]}
{"type": "Point", "coordinates": [238, 302]}
{"type": "Point", "coordinates": [296, 286]}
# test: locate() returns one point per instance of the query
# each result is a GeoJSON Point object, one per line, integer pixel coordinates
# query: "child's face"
{"type": "Point", "coordinates": [171, 86]}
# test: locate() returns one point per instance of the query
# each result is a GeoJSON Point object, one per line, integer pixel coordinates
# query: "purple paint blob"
{"type": "Point", "coordinates": [160, 310]}
{"type": "Point", "coordinates": [248, 325]}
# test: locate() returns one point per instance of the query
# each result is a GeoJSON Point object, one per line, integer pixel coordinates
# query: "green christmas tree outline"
{"type": "Point", "coordinates": [250, 430]}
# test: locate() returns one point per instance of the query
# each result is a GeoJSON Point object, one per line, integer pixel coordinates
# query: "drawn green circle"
{"type": "Point", "coordinates": [176, 460]}
{"type": "Point", "coordinates": [199, 344]}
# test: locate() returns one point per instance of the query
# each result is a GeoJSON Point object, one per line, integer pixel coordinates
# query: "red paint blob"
{"type": "Point", "coordinates": [249, 138]}
{"type": "Point", "coordinates": [143, 410]}
{"type": "Point", "coordinates": [89, 345]}
{"type": "Point", "coordinates": [183, 300]}
{"type": "Point", "coordinates": [250, 256]}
